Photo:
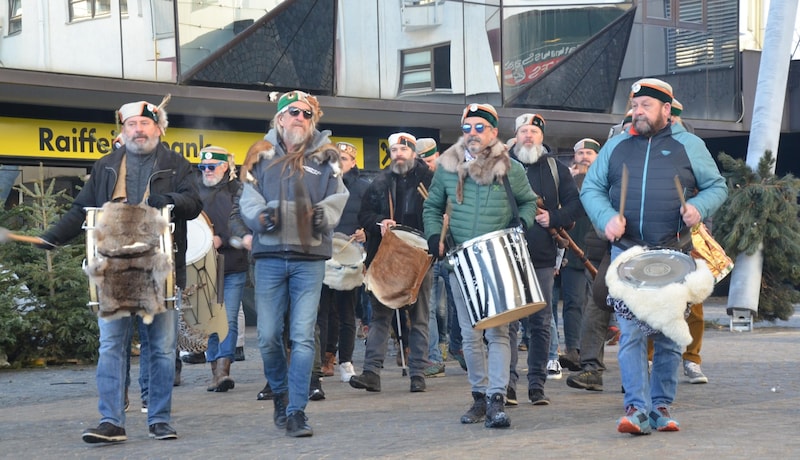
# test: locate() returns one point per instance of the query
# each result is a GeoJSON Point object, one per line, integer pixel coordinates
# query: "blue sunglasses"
{"type": "Point", "coordinates": [203, 167]}
{"type": "Point", "coordinates": [467, 128]}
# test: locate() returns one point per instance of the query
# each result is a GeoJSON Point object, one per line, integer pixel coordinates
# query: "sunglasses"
{"type": "Point", "coordinates": [210, 167]}
{"type": "Point", "coordinates": [467, 128]}
{"type": "Point", "coordinates": [294, 111]}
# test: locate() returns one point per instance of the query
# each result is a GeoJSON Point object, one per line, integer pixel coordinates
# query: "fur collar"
{"type": "Point", "coordinates": [265, 150]}
{"type": "Point", "coordinates": [490, 165]}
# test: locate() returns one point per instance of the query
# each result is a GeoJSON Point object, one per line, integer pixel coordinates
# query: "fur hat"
{"type": "Point", "coordinates": [652, 87]}
{"type": "Point", "coordinates": [485, 111]}
{"type": "Point", "coordinates": [403, 138]}
{"type": "Point", "coordinates": [426, 147]}
{"type": "Point", "coordinates": [145, 109]}
{"type": "Point", "coordinates": [286, 99]}
{"type": "Point", "coordinates": [348, 148]}
{"type": "Point", "coordinates": [529, 119]}
{"type": "Point", "coordinates": [587, 143]}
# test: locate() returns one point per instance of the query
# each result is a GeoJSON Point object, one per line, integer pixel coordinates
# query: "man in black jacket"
{"type": "Point", "coordinates": [143, 170]}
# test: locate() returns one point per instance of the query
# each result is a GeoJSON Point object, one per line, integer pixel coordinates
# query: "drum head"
{"type": "Point", "coordinates": [347, 253]}
{"type": "Point", "coordinates": [656, 268]}
{"type": "Point", "coordinates": [199, 238]}
{"type": "Point", "coordinates": [411, 236]}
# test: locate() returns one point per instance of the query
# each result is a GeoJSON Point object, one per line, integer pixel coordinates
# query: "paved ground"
{"type": "Point", "coordinates": [749, 409]}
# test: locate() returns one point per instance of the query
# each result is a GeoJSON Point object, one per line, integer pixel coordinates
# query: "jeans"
{"type": "Point", "coordinates": [453, 326]}
{"type": "Point", "coordinates": [642, 391]}
{"type": "Point", "coordinates": [234, 285]}
{"type": "Point", "coordinates": [144, 347]}
{"type": "Point", "coordinates": [278, 284]}
{"type": "Point", "coordinates": [539, 325]}
{"type": "Point", "coordinates": [574, 286]}
{"type": "Point", "coordinates": [160, 367]}
{"type": "Point", "coordinates": [487, 364]}
{"type": "Point", "coordinates": [383, 316]}
{"type": "Point", "coordinates": [594, 328]}
{"type": "Point", "coordinates": [437, 325]}
{"type": "Point", "coordinates": [337, 322]}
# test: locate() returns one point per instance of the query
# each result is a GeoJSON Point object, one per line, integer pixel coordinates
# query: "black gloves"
{"type": "Point", "coordinates": [433, 247]}
{"type": "Point", "coordinates": [159, 201]}
{"type": "Point", "coordinates": [46, 245]}
{"type": "Point", "coordinates": [269, 220]}
{"type": "Point", "coordinates": [318, 219]}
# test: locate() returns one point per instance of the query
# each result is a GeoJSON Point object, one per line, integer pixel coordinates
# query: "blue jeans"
{"type": "Point", "coordinates": [659, 388]}
{"type": "Point", "coordinates": [112, 367]}
{"type": "Point", "coordinates": [487, 364]}
{"type": "Point", "coordinates": [437, 325]}
{"type": "Point", "coordinates": [278, 284]}
{"type": "Point", "coordinates": [234, 285]}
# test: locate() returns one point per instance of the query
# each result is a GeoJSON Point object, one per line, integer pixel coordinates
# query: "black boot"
{"type": "Point", "coordinates": [280, 401]}
{"type": "Point", "coordinates": [369, 381]}
{"type": "Point", "coordinates": [495, 415]}
{"type": "Point", "coordinates": [478, 410]}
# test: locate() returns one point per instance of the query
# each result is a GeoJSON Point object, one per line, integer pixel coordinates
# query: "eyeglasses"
{"type": "Point", "coordinates": [467, 128]}
{"type": "Point", "coordinates": [210, 167]}
{"type": "Point", "coordinates": [294, 111]}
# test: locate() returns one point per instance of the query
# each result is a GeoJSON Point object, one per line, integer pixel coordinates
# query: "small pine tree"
{"type": "Point", "coordinates": [46, 315]}
{"type": "Point", "coordinates": [763, 208]}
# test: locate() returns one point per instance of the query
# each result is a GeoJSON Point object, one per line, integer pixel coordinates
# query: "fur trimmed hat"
{"type": "Point", "coordinates": [529, 119]}
{"type": "Point", "coordinates": [485, 111]}
{"type": "Point", "coordinates": [286, 99]}
{"type": "Point", "coordinates": [652, 87]}
{"type": "Point", "coordinates": [403, 138]}
{"type": "Point", "coordinates": [145, 109]}
{"type": "Point", "coordinates": [677, 108]}
{"type": "Point", "coordinates": [426, 147]}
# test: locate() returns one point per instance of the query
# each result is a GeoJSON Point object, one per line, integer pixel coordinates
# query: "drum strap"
{"type": "Point", "coordinates": [512, 201]}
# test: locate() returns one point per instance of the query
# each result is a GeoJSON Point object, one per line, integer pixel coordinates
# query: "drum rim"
{"type": "Point", "coordinates": [485, 237]}
{"type": "Point", "coordinates": [356, 246]}
{"type": "Point", "coordinates": [650, 252]}
{"type": "Point", "coordinates": [413, 231]}
{"type": "Point", "coordinates": [208, 244]}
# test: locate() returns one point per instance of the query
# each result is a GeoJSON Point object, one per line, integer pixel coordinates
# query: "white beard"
{"type": "Point", "coordinates": [529, 155]}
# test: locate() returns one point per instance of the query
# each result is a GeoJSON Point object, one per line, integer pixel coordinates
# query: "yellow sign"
{"type": "Point", "coordinates": [72, 140]}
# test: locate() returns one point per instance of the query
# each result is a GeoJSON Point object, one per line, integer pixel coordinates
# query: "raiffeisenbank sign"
{"type": "Point", "coordinates": [71, 140]}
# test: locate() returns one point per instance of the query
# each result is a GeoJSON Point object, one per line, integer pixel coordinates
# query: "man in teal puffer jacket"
{"type": "Point", "coordinates": [471, 176]}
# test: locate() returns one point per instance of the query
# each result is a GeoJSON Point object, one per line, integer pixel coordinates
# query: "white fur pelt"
{"type": "Point", "coordinates": [662, 308]}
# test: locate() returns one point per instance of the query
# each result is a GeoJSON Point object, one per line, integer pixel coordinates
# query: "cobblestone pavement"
{"type": "Point", "coordinates": [749, 409]}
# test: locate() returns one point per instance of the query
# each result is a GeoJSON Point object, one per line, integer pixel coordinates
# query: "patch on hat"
{"type": "Point", "coordinates": [348, 148]}
{"type": "Point", "coordinates": [214, 153]}
{"type": "Point", "coordinates": [403, 138]}
{"type": "Point", "coordinates": [485, 111]}
{"type": "Point", "coordinates": [529, 119]}
{"type": "Point", "coordinates": [652, 87]}
{"type": "Point", "coordinates": [426, 147]}
{"type": "Point", "coordinates": [677, 108]}
{"type": "Point", "coordinates": [587, 143]}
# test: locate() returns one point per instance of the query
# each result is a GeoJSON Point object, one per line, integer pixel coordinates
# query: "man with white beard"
{"type": "Point", "coordinates": [559, 206]}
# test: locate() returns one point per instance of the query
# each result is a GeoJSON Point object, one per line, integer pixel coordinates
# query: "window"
{"type": "Point", "coordinates": [14, 16]}
{"type": "Point", "coordinates": [89, 9]}
{"type": "Point", "coordinates": [425, 69]}
{"type": "Point", "coordinates": [715, 46]}
{"type": "Point", "coordinates": [683, 14]}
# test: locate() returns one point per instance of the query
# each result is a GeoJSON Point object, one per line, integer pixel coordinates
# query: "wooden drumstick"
{"type": "Point", "coordinates": [680, 190]}
{"type": "Point", "coordinates": [443, 235]}
{"type": "Point", "coordinates": [422, 191]}
{"type": "Point", "coordinates": [623, 191]}
{"type": "Point", "coordinates": [6, 235]}
{"type": "Point", "coordinates": [352, 238]}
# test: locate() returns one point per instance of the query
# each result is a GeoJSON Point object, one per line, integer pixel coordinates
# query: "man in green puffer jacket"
{"type": "Point", "coordinates": [471, 176]}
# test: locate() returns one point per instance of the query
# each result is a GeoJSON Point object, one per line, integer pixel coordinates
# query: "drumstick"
{"type": "Point", "coordinates": [623, 191]}
{"type": "Point", "coordinates": [422, 191]}
{"type": "Point", "coordinates": [352, 238]}
{"type": "Point", "coordinates": [6, 235]}
{"type": "Point", "coordinates": [443, 235]}
{"type": "Point", "coordinates": [680, 190]}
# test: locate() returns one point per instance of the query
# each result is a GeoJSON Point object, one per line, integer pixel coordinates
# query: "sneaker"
{"type": "Point", "coordinates": [417, 384]}
{"type": "Point", "coordinates": [297, 426]}
{"type": "Point", "coordinates": [477, 412]}
{"type": "Point", "coordinates": [693, 371]}
{"type": "Point", "coordinates": [144, 406]}
{"type": "Point", "coordinates": [194, 358]}
{"type": "Point", "coordinates": [538, 398]}
{"type": "Point", "coordinates": [495, 415]}
{"type": "Point", "coordinates": [346, 371]}
{"type": "Point", "coordinates": [266, 394]}
{"type": "Point", "coordinates": [571, 360]}
{"type": "Point", "coordinates": [162, 431]}
{"type": "Point", "coordinates": [511, 397]}
{"type": "Point", "coordinates": [369, 381]}
{"type": "Point", "coordinates": [434, 370]}
{"type": "Point", "coordinates": [662, 421]}
{"type": "Point", "coordinates": [586, 380]}
{"type": "Point", "coordinates": [279, 402]}
{"type": "Point", "coordinates": [315, 392]}
{"type": "Point", "coordinates": [105, 432]}
{"type": "Point", "coordinates": [635, 421]}
{"type": "Point", "coordinates": [459, 356]}
{"type": "Point", "coordinates": [553, 370]}
{"type": "Point", "coordinates": [522, 347]}
{"type": "Point", "coordinates": [238, 355]}
{"type": "Point", "coordinates": [612, 335]}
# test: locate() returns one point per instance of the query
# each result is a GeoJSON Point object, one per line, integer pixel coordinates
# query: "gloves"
{"type": "Point", "coordinates": [433, 247]}
{"type": "Point", "coordinates": [318, 219]}
{"type": "Point", "coordinates": [269, 220]}
{"type": "Point", "coordinates": [46, 245]}
{"type": "Point", "coordinates": [159, 201]}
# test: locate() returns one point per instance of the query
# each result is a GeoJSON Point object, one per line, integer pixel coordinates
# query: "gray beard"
{"type": "Point", "coordinates": [295, 136]}
{"type": "Point", "coordinates": [148, 147]}
{"type": "Point", "coordinates": [211, 181]}
{"type": "Point", "coordinates": [529, 155]}
{"type": "Point", "coordinates": [402, 169]}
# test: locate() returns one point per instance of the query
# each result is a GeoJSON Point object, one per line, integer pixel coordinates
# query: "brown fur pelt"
{"type": "Point", "coordinates": [488, 165]}
{"type": "Point", "coordinates": [257, 151]}
{"type": "Point", "coordinates": [130, 268]}
{"type": "Point", "coordinates": [396, 273]}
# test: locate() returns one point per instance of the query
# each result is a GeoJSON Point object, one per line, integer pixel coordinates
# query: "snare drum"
{"type": "Point", "coordinates": [203, 308]}
{"type": "Point", "coordinates": [396, 273]}
{"type": "Point", "coordinates": [345, 269]}
{"type": "Point", "coordinates": [497, 279]}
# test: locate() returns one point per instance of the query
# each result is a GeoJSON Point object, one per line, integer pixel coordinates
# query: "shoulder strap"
{"type": "Point", "coordinates": [512, 201]}
{"type": "Point", "coordinates": [554, 171]}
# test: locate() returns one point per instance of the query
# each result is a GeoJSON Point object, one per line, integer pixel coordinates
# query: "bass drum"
{"type": "Point", "coordinates": [202, 306]}
{"type": "Point", "coordinates": [344, 271]}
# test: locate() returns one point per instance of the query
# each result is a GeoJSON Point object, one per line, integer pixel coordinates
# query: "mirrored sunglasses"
{"type": "Point", "coordinates": [294, 111]}
{"type": "Point", "coordinates": [467, 128]}
{"type": "Point", "coordinates": [210, 167]}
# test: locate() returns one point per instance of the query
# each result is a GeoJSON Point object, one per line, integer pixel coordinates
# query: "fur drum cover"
{"type": "Point", "coordinates": [662, 308]}
{"type": "Point", "coordinates": [130, 268]}
{"type": "Point", "coordinates": [396, 273]}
